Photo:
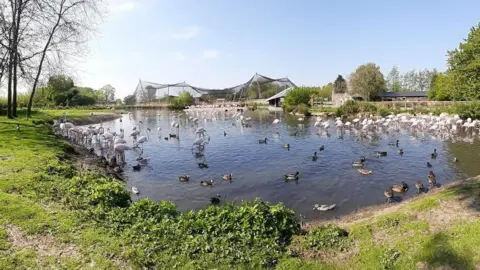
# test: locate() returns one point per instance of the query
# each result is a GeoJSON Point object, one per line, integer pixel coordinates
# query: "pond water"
{"type": "Point", "coordinates": [258, 169]}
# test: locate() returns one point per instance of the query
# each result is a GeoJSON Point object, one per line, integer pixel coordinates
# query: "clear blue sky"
{"type": "Point", "coordinates": [222, 43]}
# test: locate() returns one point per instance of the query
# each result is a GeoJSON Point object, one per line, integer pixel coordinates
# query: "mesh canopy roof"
{"type": "Point", "coordinates": [148, 91]}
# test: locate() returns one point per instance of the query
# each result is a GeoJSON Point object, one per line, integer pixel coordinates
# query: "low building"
{"type": "Point", "coordinates": [276, 101]}
{"type": "Point", "coordinates": [402, 96]}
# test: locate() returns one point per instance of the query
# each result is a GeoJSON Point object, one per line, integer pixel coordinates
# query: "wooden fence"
{"type": "Point", "coordinates": [410, 104]}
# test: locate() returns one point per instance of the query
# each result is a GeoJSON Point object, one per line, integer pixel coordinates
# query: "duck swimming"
{"type": "Point", "coordinates": [215, 200]}
{"type": "Point", "coordinates": [432, 180]}
{"type": "Point", "coordinates": [206, 183]}
{"type": "Point", "coordinates": [365, 171]}
{"type": "Point", "coordinates": [381, 154]}
{"type": "Point", "coordinates": [394, 143]}
{"type": "Point", "coordinates": [314, 157]}
{"type": "Point", "coordinates": [359, 163]}
{"type": "Point", "coordinates": [227, 177]}
{"type": "Point", "coordinates": [400, 152]}
{"type": "Point", "coordinates": [202, 165]}
{"type": "Point", "coordinates": [389, 194]}
{"type": "Point", "coordinates": [136, 168]}
{"type": "Point", "coordinates": [184, 178]}
{"type": "Point", "coordinates": [286, 146]}
{"type": "Point", "coordinates": [322, 148]}
{"type": "Point", "coordinates": [263, 141]}
{"type": "Point", "coordinates": [434, 154]}
{"type": "Point", "coordinates": [292, 176]}
{"type": "Point", "coordinates": [429, 165]}
{"type": "Point", "coordinates": [420, 187]}
{"type": "Point", "coordinates": [402, 188]}
{"type": "Point", "coordinates": [455, 159]}
{"type": "Point", "coordinates": [135, 190]}
{"type": "Point", "coordinates": [323, 207]}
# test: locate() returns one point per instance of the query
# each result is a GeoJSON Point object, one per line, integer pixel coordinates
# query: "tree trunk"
{"type": "Point", "coordinates": [9, 73]}
{"type": "Point", "coordinates": [39, 71]}
{"type": "Point", "coordinates": [19, 8]}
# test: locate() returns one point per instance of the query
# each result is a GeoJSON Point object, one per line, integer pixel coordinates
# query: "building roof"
{"type": "Point", "coordinates": [403, 94]}
{"type": "Point", "coordinates": [280, 94]}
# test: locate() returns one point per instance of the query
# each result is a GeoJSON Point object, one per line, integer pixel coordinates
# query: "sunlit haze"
{"type": "Point", "coordinates": [219, 44]}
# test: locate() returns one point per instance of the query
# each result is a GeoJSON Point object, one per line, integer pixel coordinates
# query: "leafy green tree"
{"type": "Point", "coordinates": [130, 100]}
{"type": "Point", "coordinates": [186, 98]}
{"type": "Point", "coordinates": [394, 78]}
{"type": "Point", "coordinates": [61, 89]}
{"type": "Point", "coordinates": [326, 91]}
{"type": "Point", "coordinates": [298, 95]}
{"type": "Point", "coordinates": [149, 93]}
{"type": "Point", "coordinates": [368, 81]}
{"type": "Point", "coordinates": [444, 88]}
{"type": "Point", "coordinates": [108, 93]}
{"type": "Point", "coordinates": [464, 65]}
{"type": "Point", "coordinates": [340, 85]}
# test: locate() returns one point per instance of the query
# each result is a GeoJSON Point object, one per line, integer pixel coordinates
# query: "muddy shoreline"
{"type": "Point", "coordinates": [368, 212]}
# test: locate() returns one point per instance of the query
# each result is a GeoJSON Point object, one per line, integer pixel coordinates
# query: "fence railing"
{"type": "Point", "coordinates": [417, 104]}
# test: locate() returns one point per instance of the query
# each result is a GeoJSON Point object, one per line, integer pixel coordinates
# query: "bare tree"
{"type": "Point", "coordinates": [65, 26]}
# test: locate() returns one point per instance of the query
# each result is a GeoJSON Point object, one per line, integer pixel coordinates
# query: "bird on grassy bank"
{"type": "Point", "coordinates": [293, 176]}
{"type": "Point", "coordinates": [215, 200]}
{"type": "Point", "coordinates": [206, 183]}
{"type": "Point", "coordinates": [420, 187]}
{"type": "Point", "coordinates": [184, 178]}
{"type": "Point", "coordinates": [18, 127]}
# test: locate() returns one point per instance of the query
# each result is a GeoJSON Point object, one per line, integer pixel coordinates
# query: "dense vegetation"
{"type": "Point", "coordinates": [464, 110]}
{"type": "Point", "coordinates": [461, 81]}
{"type": "Point", "coordinates": [61, 91]}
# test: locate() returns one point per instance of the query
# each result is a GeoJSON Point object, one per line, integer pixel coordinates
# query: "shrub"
{"type": "Point", "coordinates": [348, 108]}
{"type": "Point", "coordinates": [303, 109]}
{"type": "Point", "coordinates": [328, 237]}
{"type": "Point", "coordinates": [298, 95]}
{"type": "Point", "coordinates": [468, 110]}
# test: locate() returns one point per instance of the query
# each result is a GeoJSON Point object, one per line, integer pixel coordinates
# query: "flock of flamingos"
{"type": "Point", "coordinates": [443, 127]}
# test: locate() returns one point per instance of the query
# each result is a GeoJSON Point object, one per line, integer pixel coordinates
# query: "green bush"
{"type": "Point", "coordinates": [468, 110]}
{"type": "Point", "coordinates": [298, 95]}
{"type": "Point", "coordinates": [328, 237]}
{"type": "Point", "coordinates": [303, 109]}
{"type": "Point", "coordinates": [350, 107]}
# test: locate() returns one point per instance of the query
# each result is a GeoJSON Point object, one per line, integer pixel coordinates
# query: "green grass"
{"type": "Point", "coordinates": [44, 196]}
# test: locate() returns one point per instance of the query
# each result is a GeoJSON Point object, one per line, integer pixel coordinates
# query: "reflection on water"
{"type": "Point", "coordinates": [258, 169]}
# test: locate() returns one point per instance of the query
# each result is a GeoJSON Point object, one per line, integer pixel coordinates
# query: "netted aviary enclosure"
{"type": "Point", "coordinates": [257, 87]}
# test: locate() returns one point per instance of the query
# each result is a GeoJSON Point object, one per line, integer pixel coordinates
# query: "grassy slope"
{"type": "Point", "coordinates": [23, 157]}
{"type": "Point", "coordinates": [436, 230]}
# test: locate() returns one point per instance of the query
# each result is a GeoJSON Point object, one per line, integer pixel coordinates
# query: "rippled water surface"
{"type": "Point", "coordinates": [258, 169]}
